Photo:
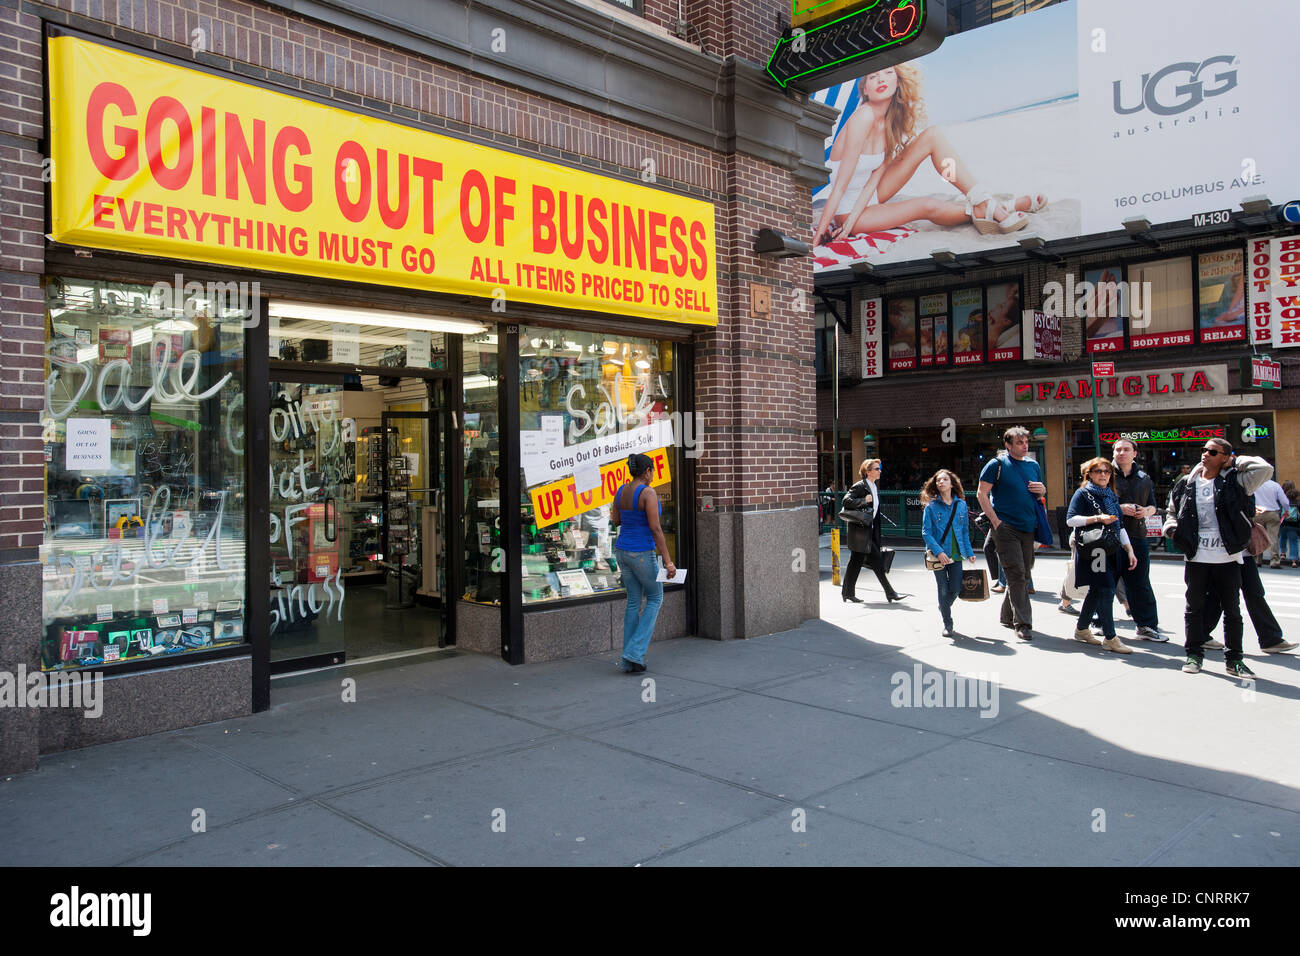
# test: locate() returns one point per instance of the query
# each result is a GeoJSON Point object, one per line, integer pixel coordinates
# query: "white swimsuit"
{"type": "Point", "coordinates": [868, 163]}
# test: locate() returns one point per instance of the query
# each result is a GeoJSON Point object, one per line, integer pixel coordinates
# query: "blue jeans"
{"type": "Point", "coordinates": [639, 572]}
{"type": "Point", "coordinates": [1290, 543]}
{"type": "Point", "coordinates": [948, 581]}
{"type": "Point", "coordinates": [1101, 602]}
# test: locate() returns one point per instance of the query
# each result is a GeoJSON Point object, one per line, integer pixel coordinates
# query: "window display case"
{"type": "Point", "coordinates": [582, 394]}
{"type": "Point", "coordinates": [143, 428]}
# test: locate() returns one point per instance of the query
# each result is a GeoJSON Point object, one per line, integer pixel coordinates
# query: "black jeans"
{"type": "Point", "coordinates": [1267, 628]}
{"type": "Point", "coordinates": [1137, 584]}
{"type": "Point", "coordinates": [856, 560]}
{"type": "Point", "coordinates": [1224, 581]}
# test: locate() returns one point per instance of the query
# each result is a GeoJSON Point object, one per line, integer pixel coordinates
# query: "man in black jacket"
{"type": "Point", "coordinates": [1137, 502]}
{"type": "Point", "coordinates": [1267, 629]}
{"type": "Point", "coordinates": [1207, 520]}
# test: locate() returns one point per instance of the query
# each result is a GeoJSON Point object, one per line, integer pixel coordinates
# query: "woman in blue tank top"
{"type": "Point", "coordinates": [636, 515]}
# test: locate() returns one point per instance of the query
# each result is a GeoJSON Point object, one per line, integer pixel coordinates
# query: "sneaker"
{"type": "Point", "coordinates": [947, 632]}
{"type": "Point", "coordinates": [1193, 665]}
{"type": "Point", "coordinates": [1281, 648]}
{"type": "Point", "coordinates": [1115, 645]}
{"type": "Point", "coordinates": [1068, 609]}
{"type": "Point", "coordinates": [1151, 634]}
{"type": "Point", "coordinates": [998, 588]}
{"type": "Point", "coordinates": [1213, 645]}
{"type": "Point", "coordinates": [1085, 635]}
{"type": "Point", "coordinates": [1239, 669]}
{"type": "Point", "coordinates": [1024, 633]}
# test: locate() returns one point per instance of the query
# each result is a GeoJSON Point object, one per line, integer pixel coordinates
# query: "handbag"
{"type": "Point", "coordinates": [886, 558]}
{"type": "Point", "coordinates": [857, 537]}
{"type": "Point", "coordinates": [1259, 542]}
{"type": "Point", "coordinates": [932, 563]}
{"type": "Point", "coordinates": [1103, 536]}
{"type": "Point", "coordinates": [974, 585]}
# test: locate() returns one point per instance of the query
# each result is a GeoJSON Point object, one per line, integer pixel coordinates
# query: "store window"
{"type": "Point", "coordinates": [1167, 314]}
{"type": "Point", "coordinates": [586, 398]}
{"type": "Point", "coordinates": [484, 559]}
{"type": "Point", "coordinates": [144, 437]}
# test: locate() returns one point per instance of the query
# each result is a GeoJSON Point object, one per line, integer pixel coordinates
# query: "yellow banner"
{"type": "Point", "coordinates": [167, 161]}
{"type": "Point", "coordinates": [560, 500]}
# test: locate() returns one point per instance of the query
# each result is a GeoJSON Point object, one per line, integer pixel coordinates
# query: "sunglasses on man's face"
{"type": "Point", "coordinates": [1213, 452]}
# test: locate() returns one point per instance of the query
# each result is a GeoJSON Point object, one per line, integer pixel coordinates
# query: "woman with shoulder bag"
{"type": "Point", "coordinates": [863, 537]}
{"type": "Point", "coordinates": [1099, 537]}
{"type": "Point", "coordinates": [945, 526]}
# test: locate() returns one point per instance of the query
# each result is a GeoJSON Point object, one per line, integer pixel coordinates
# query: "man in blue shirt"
{"type": "Point", "coordinates": [1014, 482]}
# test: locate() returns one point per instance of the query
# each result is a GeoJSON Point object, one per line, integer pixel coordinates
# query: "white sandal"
{"type": "Point", "coordinates": [989, 223]}
{"type": "Point", "coordinates": [1037, 201]}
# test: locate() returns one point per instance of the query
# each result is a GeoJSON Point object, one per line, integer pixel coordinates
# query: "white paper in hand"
{"type": "Point", "coordinates": [678, 579]}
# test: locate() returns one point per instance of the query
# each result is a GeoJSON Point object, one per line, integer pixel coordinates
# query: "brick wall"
{"type": "Point", "coordinates": [22, 316]}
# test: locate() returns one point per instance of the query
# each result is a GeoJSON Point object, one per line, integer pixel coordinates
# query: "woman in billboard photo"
{"type": "Point", "coordinates": [878, 150]}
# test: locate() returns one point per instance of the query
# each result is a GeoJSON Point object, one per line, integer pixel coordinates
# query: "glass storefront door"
{"type": "Point", "coordinates": [313, 479]}
{"type": "Point", "coordinates": [358, 517]}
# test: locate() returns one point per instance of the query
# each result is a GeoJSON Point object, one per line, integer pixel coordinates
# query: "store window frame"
{"type": "Point", "coordinates": [513, 611]}
{"type": "Point", "coordinates": [147, 274]}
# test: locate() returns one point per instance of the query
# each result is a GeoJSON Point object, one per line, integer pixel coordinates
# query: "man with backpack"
{"type": "Point", "coordinates": [1014, 482]}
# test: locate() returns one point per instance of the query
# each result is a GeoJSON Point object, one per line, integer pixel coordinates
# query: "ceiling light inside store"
{"type": "Point", "coordinates": [642, 364]}
{"type": "Point", "coordinates": [347, 315]}
{"type": "Point", "coordinates": [477, 381]}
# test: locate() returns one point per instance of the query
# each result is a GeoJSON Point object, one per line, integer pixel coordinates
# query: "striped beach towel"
{"type": "Point", "coordinates": [842, 252]}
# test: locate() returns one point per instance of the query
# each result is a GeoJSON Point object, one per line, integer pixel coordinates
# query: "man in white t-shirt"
{"type": "Point", "coordinates": [1206, 520]}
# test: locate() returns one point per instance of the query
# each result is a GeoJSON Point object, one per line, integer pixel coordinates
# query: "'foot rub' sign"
{"type": "Point", "coordinates": [560, 499]}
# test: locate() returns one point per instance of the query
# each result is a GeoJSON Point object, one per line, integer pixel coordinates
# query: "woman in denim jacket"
{"type": "Point", "coordinates": [945, 499]}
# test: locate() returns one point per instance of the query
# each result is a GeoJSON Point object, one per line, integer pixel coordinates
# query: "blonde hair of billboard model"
{"type": "Point", "coordinates": [878, 150]}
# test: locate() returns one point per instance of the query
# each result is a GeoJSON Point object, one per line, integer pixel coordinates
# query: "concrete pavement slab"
{"type": "Point", "coordinates": [101, 805]}
{"type": "Point", "coordinates": [892, 690]}
{"type": "Point", "coordinates": [308, 835]}
{"type": "Point", "coordinates": [776, 746]}
{"type": "Point", "coordinates": [583, 804]}
{"type": "Point", "coordinates": [729, 664]}
{"type": "Point", "coordinates": [828, 840]}
{"type": "Point", "coordinates": [1200, 730]}
{"type": "Point", "coordinates": [561, 695]}
{"type": "Point", "coordinates": [333, 744]}
{"type": "Point", "coordinates": [1016, 809]}
{"type": "Point", "coordinates": [1238, 834]}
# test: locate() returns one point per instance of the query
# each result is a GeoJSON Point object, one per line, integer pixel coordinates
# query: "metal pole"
{"type": "Point", "coordinates": [1096, 428]}
{"type": "Point", "coordinates": [835, 456]}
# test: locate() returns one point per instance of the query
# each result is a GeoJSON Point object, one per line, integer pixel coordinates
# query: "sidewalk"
{"type": "Point", "coordinates": [1083, 759]}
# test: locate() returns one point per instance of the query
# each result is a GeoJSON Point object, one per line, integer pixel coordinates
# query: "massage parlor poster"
{"type": "Point", "coordinates": [1099, 110]}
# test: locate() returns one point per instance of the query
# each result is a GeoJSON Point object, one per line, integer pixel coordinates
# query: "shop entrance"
{"type": "Point", "coordinates": [358, 515]}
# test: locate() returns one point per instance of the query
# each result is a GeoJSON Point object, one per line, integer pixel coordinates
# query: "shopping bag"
{"type": "Point", "coordinates": [974, 585]}
{"type": "Point", "coordinates": [886, 559]}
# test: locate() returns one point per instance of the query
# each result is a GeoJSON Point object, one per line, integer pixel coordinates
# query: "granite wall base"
{"type": "Point", "coordinates": [582, 629]}
{"type": "Point", "coordinates": [478, 628]}
{"type": "Point", "coordinates": [757, 571]}
{"type": "Point", "coordinates": [20, 640]}
{"type": "Point", "coordinates": [150, 702]}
